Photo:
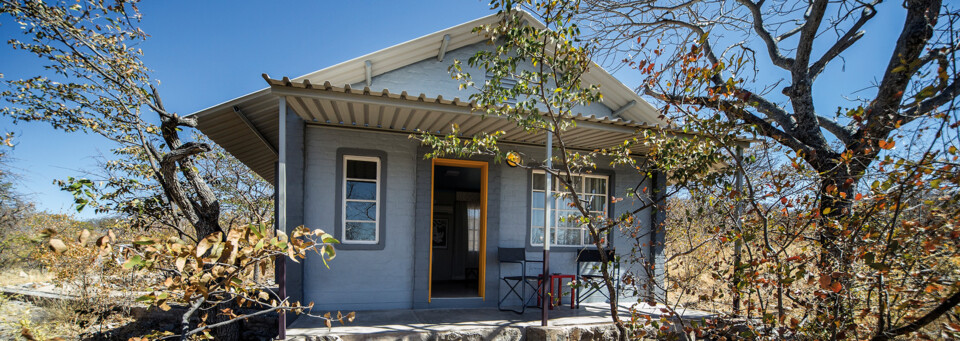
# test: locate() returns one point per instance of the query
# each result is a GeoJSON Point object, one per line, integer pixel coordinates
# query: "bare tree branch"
{"type": "Point", "coordinates": [853, 34]}
{"type": "Point", "coordinates": [772, 49]}
{"type": "Point", "coordinates": [942, 308]}
{"type": "Point", "coordinates": [842, 133]}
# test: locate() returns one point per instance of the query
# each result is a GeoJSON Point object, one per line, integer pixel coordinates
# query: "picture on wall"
{"type": "Point", "coordinates": [440, 233]}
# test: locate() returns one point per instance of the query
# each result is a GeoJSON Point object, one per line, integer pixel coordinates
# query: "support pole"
{"type": "Point", "coordinates": [738, 243]}
{"type": "Point", "coordinates": [658, 231]}
{"type": "Point", "coordinates": [281, 208]}
{"type": "Point", "coordinates": [547, 204]}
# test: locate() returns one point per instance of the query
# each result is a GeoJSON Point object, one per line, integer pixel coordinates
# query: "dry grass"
{"type": "Point", "coordinates": [42, 322]}
{"type": "Point", "coordinates": [17, 276]}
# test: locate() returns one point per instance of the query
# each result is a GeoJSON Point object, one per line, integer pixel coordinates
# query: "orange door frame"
{"type": "Point", "coordinates": [483, 166]}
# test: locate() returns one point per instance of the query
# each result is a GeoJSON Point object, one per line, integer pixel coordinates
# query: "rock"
{"type": "Point", "coordinates": [572, 333]}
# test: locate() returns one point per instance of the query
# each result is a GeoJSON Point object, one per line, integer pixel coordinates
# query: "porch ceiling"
{"type": "Point", "coordinates": [325, 104]}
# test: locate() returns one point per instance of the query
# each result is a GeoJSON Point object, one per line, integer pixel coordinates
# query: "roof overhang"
{"type": "Point", "coordinates": [252, 138]}
{"type": "Point", "coordinates": [347, 107]}
{"type": "Point", "coordinates": [249, 129]}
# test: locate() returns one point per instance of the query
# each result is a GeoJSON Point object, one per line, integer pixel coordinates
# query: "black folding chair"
{"type": "Point", "coordinates": [522, 282]}
{"type": "Point", "coordinates": [593, 282]}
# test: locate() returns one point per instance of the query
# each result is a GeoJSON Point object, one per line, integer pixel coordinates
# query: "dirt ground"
{"type": "Point", "coordinates": [46, 318]}
{"type": "Point", "coordinates": [15, 315]}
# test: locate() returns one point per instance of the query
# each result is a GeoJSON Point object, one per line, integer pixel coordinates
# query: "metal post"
{"type": "Point", "coordinates": [738, 244]}
{"type": "Point", "coordinates": [547, 203]}
{"type": "Point", "coordinates": [281, 207]}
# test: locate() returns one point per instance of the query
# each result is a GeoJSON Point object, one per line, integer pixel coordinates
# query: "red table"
{"type": "Point", "coordinates": [556, 282]}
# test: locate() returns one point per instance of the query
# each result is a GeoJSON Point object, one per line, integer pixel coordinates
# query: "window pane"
{"type": "Point", "coordinates": [568, 236]}
{"type": "Point", "coordinates": [586, 237]}
{"type": "Point", "coordinates": [563, 203]}
{"type": "Point", "coordinates": [473, 226]}
{"type": "Point", "coordinates": [562, 187]}
{"type": "Point", "coordinates": [361, 190]}
{"type": "Point", "coordinates": [598, 203]}
{"type": "Point", "coordinates": [595, 186]}
{"type": "Point", "coordinates": [573, 237]}
{"type": "Point", "coordinates": [567, 219]}
{"type": "Point", "coordinates": [361, 210]}
{"type": "Point", "coordinates": [361, 169]}
{"type": "Point", "coordinates": [361, 231]}
{"type": "Point", "coordinates": [561, 236]}
{"type": "Point", "coordinates": [536, 217]}
{"type": "Point", "coordinates": [538, 199]}
{"type": "Point", "coordinates": [536, 235]}
{"type": "Point", "coordinates": [538, 181]}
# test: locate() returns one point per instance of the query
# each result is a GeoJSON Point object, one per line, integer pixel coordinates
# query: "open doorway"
{"type": "Point", "coordinates": [458, 227]}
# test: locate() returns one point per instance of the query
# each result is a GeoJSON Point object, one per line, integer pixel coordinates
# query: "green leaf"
{"type": "Point", "coordinates": [134, 261]}
{"type": "Point", "coordinates": [144, 241]}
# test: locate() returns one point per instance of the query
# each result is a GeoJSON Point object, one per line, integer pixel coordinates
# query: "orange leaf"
{"type": "Point", "coordinates": [836, 287]}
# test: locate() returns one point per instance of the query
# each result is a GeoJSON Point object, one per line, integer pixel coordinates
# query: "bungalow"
{"type": "Point", "coordinates": [421, 233]}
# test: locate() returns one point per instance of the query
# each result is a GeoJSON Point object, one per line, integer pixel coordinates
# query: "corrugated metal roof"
{"type": "Point", "coordinates": [225, 127]}
{"type": "Point", "coordinates": [325, 104]}
{"type": "Point", "coordinates": [326, 112]}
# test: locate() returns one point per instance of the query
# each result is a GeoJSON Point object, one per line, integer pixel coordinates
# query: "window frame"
{"type": "Point", "coordinates": [608, 207]}
{"type": "Point", "coordinates": [344, 200]}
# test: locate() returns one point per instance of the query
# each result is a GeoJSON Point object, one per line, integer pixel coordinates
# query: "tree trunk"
{"type": "Point", "coordinates": [835, 193]}
{"type": "Point", "coordinates": [229, 331]}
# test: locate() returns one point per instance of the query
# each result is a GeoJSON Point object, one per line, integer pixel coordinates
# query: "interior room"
{"type": "Point", "coordinates": [456, 232]}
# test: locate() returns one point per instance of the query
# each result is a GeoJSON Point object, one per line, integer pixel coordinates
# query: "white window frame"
{"type": "Point", "coordinates": [344, 200]}
{"type": "Point", "coordinates": [556, 189]}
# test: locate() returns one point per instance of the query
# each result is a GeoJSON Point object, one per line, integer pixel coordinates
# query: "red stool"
{"type": "Point", "coordinates": [556, 286]}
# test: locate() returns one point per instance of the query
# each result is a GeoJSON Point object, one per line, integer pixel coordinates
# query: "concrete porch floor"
{"type": "Point", "coordinates": [480, 323]}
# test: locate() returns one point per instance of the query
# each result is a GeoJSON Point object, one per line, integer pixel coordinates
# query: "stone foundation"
{"type": "Point", "coordinates": [601, 332]}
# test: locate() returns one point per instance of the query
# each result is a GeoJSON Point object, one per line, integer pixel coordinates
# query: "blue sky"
{"type": "Point", "coordinates": [206, 52]}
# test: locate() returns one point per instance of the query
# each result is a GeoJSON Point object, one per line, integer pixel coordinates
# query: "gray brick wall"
{"type": "Point", "coordinates": [395, 277]}
{"type": "Point", "coordinates": [360, 279]}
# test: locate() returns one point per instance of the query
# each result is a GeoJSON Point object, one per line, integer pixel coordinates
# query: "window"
{"type": "Point", "coordinates": [473, 226]}
{"type": "Point", "coordinates": [361, 199]}
{"type": "Point", "coordinates": [565, 229]}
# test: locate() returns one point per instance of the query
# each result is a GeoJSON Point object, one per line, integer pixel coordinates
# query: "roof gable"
{"type": "Point", "coordinates": [616, 94]}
